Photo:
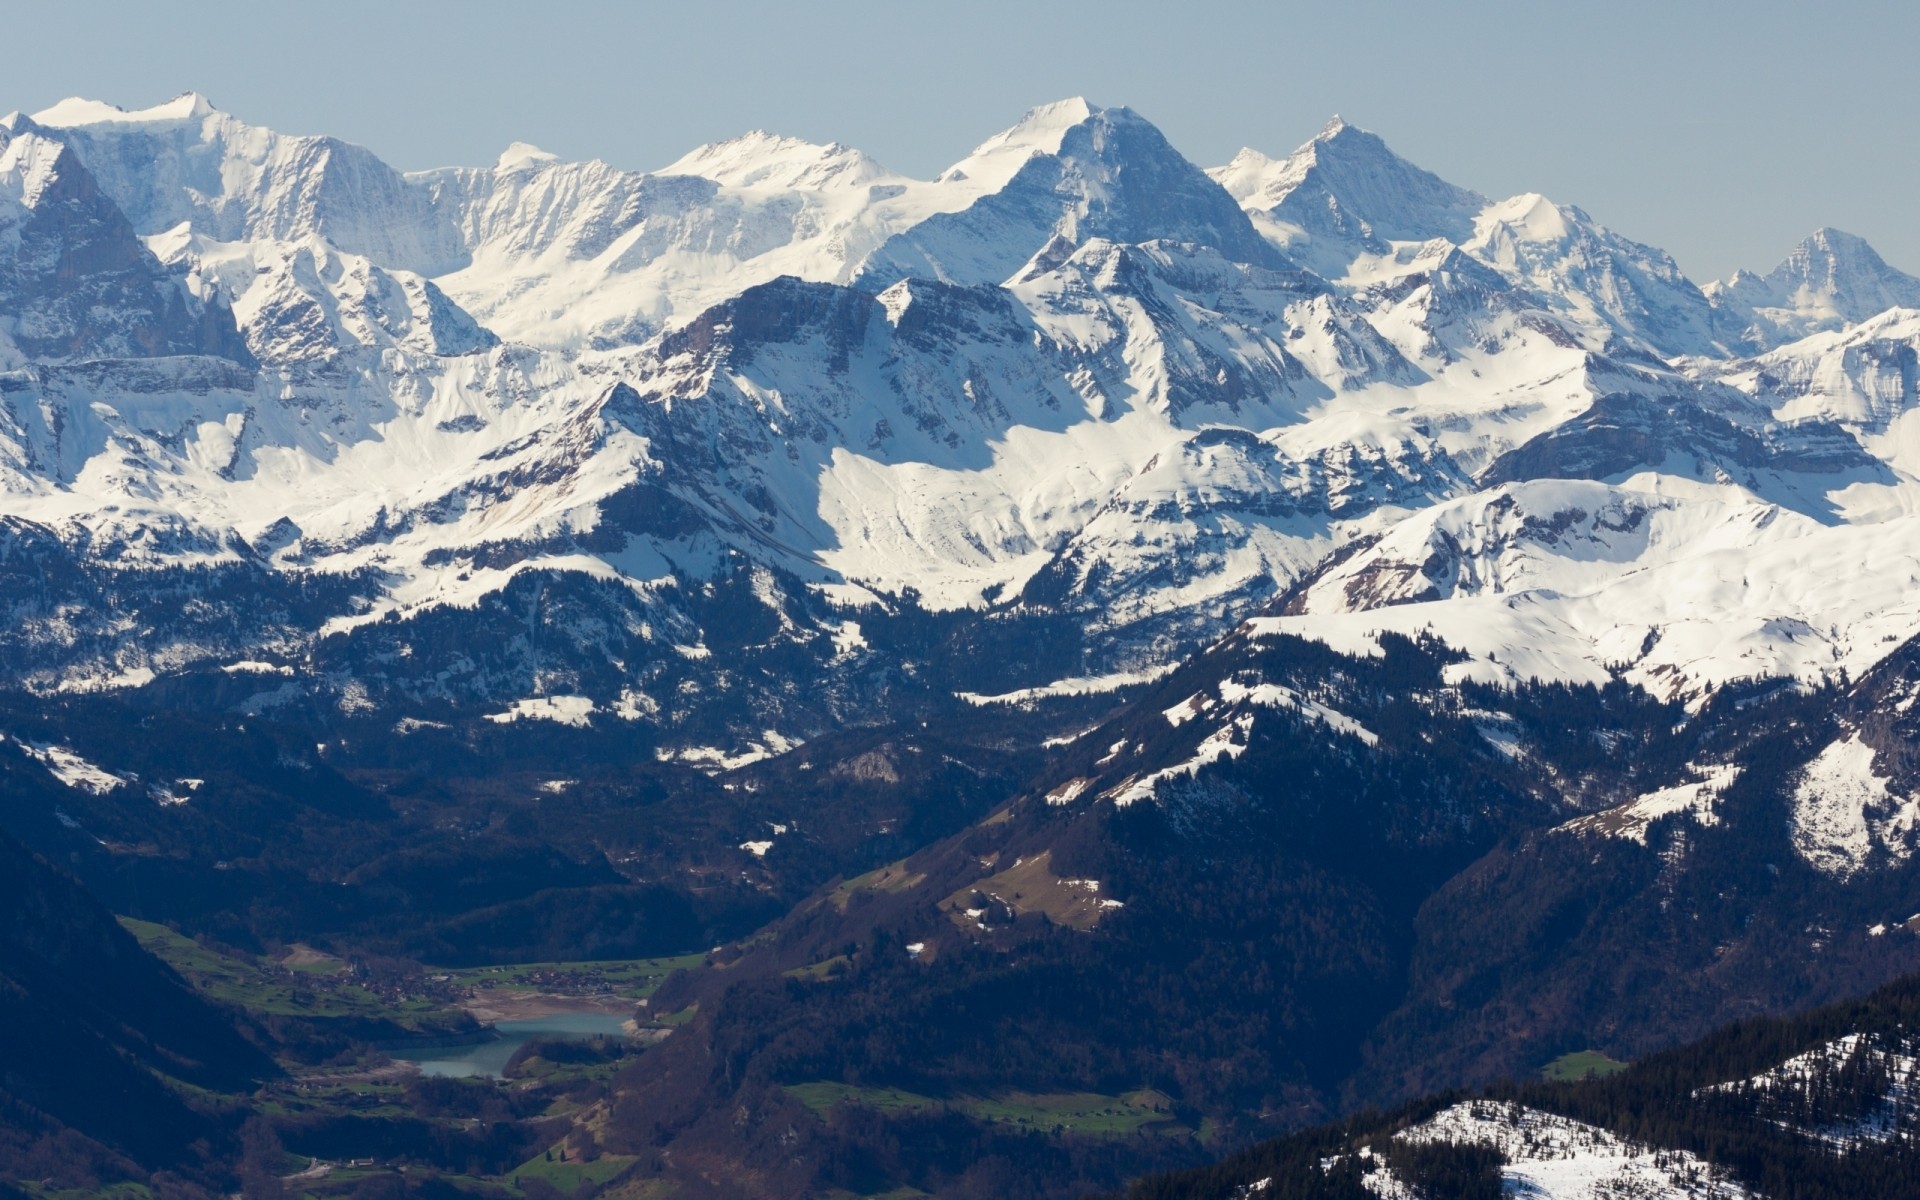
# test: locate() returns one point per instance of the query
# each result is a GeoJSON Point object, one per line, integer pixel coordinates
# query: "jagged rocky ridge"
{"type": "Point", "coordinates": [567, 413]}
{"type": "Point", "coordinates": [1332, 471]}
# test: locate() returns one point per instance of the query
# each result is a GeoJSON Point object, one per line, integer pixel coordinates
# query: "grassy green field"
{"type": "Point", "coordinates": [640, 1189]}
{"type": "Point", "coordinates": [265, 988]}
{"type": "Point", "coordinates": [636, 978]}
{"type": "Point", "coordinates": [824, 969]}
{"type": "Point", "coordinates": [894, 877]}
{"type": "Point", "coordinates": [1582, 1064]}
{"type": "Point", "coordinates": [571, 1174]}
{"type": "Point", "coordinates": [321, 990]}
{"type": "Point", "coordinates": [822, 1096]}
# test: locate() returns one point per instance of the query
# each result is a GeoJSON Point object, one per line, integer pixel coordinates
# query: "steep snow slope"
{"type": "Point", "coordinates": [1071, 375]}
{"type": "Point", "coordinates": [1084, 172]}
{"type": "Point", "coordinates": [75, 283]}
{"type": "Point", "coordinates": [1830, 280]}
{"type": "Point", "coordinates": [1683, 588]}
{"type": "Point", "coordinates": [306, 302]}
{"type": "Point", "coordinates": [1344, 195]}
{"type": "Point", "coordinates": [187, 161]}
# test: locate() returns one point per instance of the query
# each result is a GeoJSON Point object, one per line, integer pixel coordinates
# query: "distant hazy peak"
{"type": "Point", "coordinates": [1041, 128]}
{"type": "Point", "coordinates": [1530, 217]}
{"type": "Point", "coordinates": [1346, 187]}
{"type": "Point", "coordinates": [77, 111]}
{"type": "Point", "coordinates": [524, 156]}
{"type": "Point", "coordinates": [1831, 278]}
{"type": "Point", "coordinates": [762, 159]}
{"type": "Point", "coordinates": [1834, 258]}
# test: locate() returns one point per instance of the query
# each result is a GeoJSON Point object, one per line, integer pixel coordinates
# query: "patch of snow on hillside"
{"type": "Point", "coordinates": [1068, 792]}
{"type": "Point", "coordinates": [1273, 695]}
{"type": "Point", "coordinates": [1186, 710]}
{"type": "Point", "coordinates": [1632, 819]}
{"type": "Point", "coordinates": [1551, 1157]}
{"type": "Point", "coordinates": [1842, 809]}
{"type": "Point", "coordinates": [69, 768]}
{"type": "Point", "coordinates": [1813, 1071]}
{"type": "Point", "coordinates": [576, 711]}
{"type": "Point", "coordinates": [1219, 744]}
{"type": "Point", "coordinates": [713, 758]}
{"type": "Point", "coordinates": [634, 705]}
{"type": "Point", "coordinates": [1079, 685]}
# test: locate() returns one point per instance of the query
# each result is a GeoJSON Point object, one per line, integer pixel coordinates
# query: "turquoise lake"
{"type": "Point", "coordinates": [490, 1058]}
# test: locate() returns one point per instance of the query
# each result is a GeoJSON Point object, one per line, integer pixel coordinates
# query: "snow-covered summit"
{"type": "Point", "coordinates": [762, 159]}
{"type": "Point", "coordinates": [1831, 279]}
{"type": "Point", "coordinates": [1578, 266]}
{"type": "Point", "coordinates": [1071, 172]}
{"type": "Point", "coordinates": [522, 156]}
{"type": "Point", "coordinates": [1345, 193]}
{"type": "Point", "coordinates": [76, 111]}
{"type": "Point", "coordinates": [1040, 130]}
{"type": "Point", "coordinates": [1074, 372]}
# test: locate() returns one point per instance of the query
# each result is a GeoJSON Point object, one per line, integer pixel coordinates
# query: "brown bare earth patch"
{"type": "Point", "coordinates": [894, 877]}
{"type": "Point", "coordinates": [1030, 886]}
{"type": "Point", "coordinates": [302, 955]}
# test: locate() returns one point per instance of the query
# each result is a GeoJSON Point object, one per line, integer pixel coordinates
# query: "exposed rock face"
{"type": "Point", "coordinates": [1073, 379]}
{"type": "Point", "coordinates": [75, 281]}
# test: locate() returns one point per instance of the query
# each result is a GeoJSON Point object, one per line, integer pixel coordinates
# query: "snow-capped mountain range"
{"type": "Point", "coordinates": [674, 447]}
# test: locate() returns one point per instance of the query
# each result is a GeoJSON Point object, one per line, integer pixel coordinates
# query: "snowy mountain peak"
{"type": "Point", "coordinates": [1345, 193]}
{"type": "Point", "coordinates": [1528, 217]}
{"type": "Point", "coordinates": [76, 111]}
{"type": "Point", "coordinates": [1041, 128]}
{"type": "Point", "coordinates": [1074, 171]}
{"type": "Point", "coordinates": [1041, 131]}
{"type": "Point", "coordinates": [767, 160]}
{"type": "Point", "coordinates": [1840, 265]}
{"type": "Point", "coordinates": [1831, 279]}
{"type": "Point", "coordinates": [522, 156]}
{"type": "Point", "coordinates": [1244, 172]}
{"type": "Point", "coordinates": [1583, 270]}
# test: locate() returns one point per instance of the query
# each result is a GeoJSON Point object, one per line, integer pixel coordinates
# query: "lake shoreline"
{"type": "Point", "coordinates": [515, 1021]}
{"type": "Point", "coordinates": [502, 1004]}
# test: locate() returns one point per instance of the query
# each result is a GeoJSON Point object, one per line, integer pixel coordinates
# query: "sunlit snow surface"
{"type": "Point", "coordinates": [1557, 1158]}
{"type": "Point", "coordinates": [71, 769]}
{"type": "Point", "coordinates": [1893, 1116]}
{"type": "Point", "coordinates": [1698, 796]}
{"type": "Point", "coordinates": [1162, 434]}
{"type": "Point", "coordinates": [1844, 810]}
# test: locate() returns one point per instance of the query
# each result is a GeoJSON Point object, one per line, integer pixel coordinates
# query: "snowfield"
{"type": "Point", "coordinates": [1073, 374]}
{"type": "Point", "coordinates": [1557, 1158]}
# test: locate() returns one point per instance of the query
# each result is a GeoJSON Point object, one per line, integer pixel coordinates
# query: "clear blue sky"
{"type": "Point", "coordinates": [1721, 130]}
